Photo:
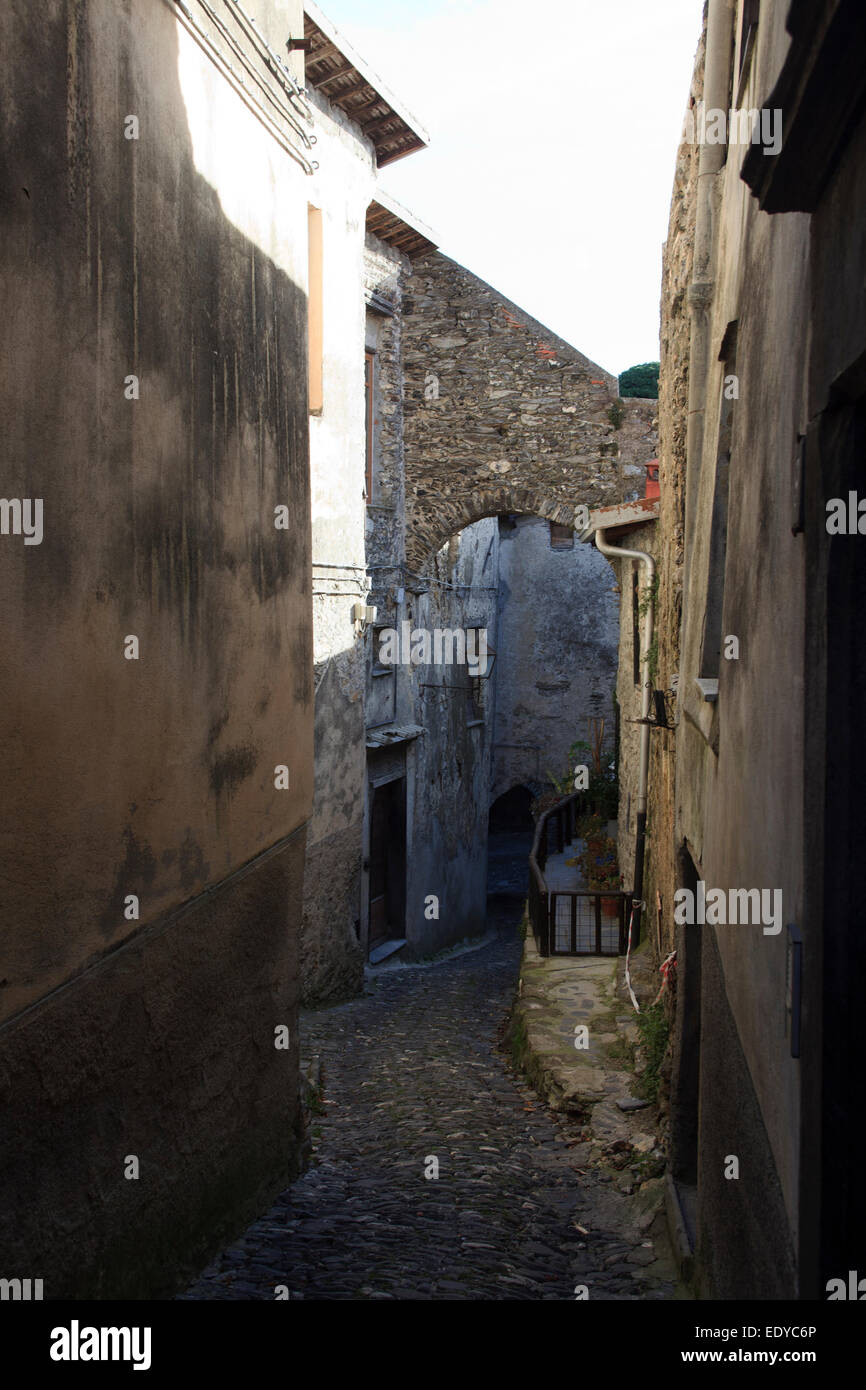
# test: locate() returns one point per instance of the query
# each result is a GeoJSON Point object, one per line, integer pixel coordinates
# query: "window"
{"type": "Point", "coordinates": [314, 310]}
{"type": "Point", "coordinates": [561, 537]}
{"type": "Point", "coordinates": [369, 383]}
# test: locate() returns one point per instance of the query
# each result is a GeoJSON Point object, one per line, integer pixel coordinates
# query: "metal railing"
{"type": "Point", "coordinates": [571, 922]}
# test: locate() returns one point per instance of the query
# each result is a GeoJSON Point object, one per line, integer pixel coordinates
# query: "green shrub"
{"type": "Point", "coordinates": [641, 381]}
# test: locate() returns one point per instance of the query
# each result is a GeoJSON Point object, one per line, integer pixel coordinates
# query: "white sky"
{"type": "Point", "coordinates": [554, 127]}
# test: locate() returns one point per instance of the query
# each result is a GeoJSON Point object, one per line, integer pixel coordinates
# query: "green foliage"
{"type": "Point", "coordinates": [600, 865]}
{"type": "Point", "coordinates": [653, 1028]}
{"type": "Point", "coordinates": [564, 785]}
{"type": "Point", "coordinates": [601, 792]}
{"type": "Point", "coordinates": [649, 592]}
{"type": "Point", "coordinates": [641, 381]}
{"type": "Point", "coordinates": [652, 660]}
{"type": "Point", "coordinates": [616, 414]}
{"type": "Point", "coordinates": [315, 1100]}
{"type": "Point", "coordinates": [516, 1040]}
{"type": "Point", "coordinates": [590, 826]}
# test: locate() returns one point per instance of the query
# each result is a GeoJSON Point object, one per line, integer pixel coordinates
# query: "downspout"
{"type": "Point", "coordinates": [620, 553]}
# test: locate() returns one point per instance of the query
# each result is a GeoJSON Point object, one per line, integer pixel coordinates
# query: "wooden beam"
{"type": "Point", "coordinates": [383, 159]}
{"type": "Point", "coordinates": [325, 49]}
{"type": "Point", "coordinates": [380, 223]}
{"type": "Point", "coordinates": [370, 127]}
{"type": "Point", "coordinates": [341, 72]}
{"type": "Point", "coordinates": [408, 238]}
{"type": "Point", "coordinates": [376, 100]}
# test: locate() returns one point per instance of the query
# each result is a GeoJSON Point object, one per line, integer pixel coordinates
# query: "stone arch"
{"type": "Point", "coordinates": [502, 415]}
{"type": "Point", "coordinates": [429, 530]}
{"type": "Point", "coordinates": [512, 809]}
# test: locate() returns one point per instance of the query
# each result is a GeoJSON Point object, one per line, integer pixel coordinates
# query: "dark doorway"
{"type": "Point", "coordinates": [510, 831]}
{"type": "Point", "coordinates": [387, 863]}
{"type": "Point", "coordinates": [834, 951]}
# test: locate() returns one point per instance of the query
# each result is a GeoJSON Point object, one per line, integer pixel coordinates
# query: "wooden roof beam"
{"type": "Point", "coordinates": [370, 127]}
{"type": "Point", "coordinates": [384, 158]}
{"type": "Point", "coordinates": [344, 91]}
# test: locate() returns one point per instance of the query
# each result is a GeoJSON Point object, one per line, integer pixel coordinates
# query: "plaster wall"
{"type": "Point", "coordinates": [152, 777]}
{"type": "Point", "coordinates": [331, 958]}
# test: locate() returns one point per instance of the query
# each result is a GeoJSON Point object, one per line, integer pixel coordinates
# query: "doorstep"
{"type": "Point", "coordinates": [388, 948]}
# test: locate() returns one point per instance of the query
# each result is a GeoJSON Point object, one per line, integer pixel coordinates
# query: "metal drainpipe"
{"type": "Point", "coordinates": [619, 552]}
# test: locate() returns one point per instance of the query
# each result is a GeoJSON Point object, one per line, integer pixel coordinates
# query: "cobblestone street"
{"type": "Point", "coordinates": [414, 1070]}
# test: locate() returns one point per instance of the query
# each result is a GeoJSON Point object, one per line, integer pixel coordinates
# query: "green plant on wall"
{"type": "Point", "coordinates": [649, 594]}
{"type": "Point", "coordinates": [616, 414]}
{"type": "Point", "coordinates": [654, 1031]}
{"type": "Point", "coordinates": [652, 661]}
{"type": "Point", "coordinates": [650, 658]}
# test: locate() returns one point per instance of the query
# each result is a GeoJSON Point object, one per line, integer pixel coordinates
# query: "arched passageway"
{"type": "Point", "coordinates": [509, 840]}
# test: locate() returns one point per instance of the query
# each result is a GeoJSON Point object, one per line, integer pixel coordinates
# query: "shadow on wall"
{"type": "Point", "coordinates": [155, 777]}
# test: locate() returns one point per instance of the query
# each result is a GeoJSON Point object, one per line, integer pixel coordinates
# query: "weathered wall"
{"type": "Point", "coordinates": [629, 694]}
{"type": "Point", "coordinates": [661, 873]}
{"type": "Point", "coordinates": [155, 776]}
{"type": "Point", "coordinates": [739, 790]}
{"type": "Point", "coordinates": [331, 958]}
{"type": "Point", "coordinates": [500, 415]}
{"type": "Point", "coordinates": [452, 761]}
{"type": "Point", "coordinates": [556, 659]}
{"type": "Point", "coordinates": [638, 443]}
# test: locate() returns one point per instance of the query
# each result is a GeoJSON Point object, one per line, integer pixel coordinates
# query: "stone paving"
{"type": "Point", "coordinates": [414, 1071]}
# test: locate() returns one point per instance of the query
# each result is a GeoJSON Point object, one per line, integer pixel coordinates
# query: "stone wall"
{"type": "Point", "coordinates": [447, 854]}
{"type": "Point", "coordinates": [730, 811]}
{"type": "Point", "coordinates": [556, 660]}
{"type": "Point", "coordinates": [500, 415]}
{"type": "Point", "coordinates": [154, 344]}
{"type": "Point", "coordinates": [662, 875]}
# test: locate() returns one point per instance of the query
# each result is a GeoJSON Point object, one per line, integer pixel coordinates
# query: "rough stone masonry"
{"type": "Point", "coordinates": [500, 415]}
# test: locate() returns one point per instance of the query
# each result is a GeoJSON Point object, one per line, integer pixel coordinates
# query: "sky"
{"type": "Point", "coordinates": [553, 132]}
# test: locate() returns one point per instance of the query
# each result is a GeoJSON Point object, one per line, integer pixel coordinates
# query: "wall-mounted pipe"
{"type": "Point", "coordinates": [621, 553]}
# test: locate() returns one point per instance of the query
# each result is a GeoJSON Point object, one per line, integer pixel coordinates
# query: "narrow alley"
{"type": "Point", "coordinates": [432, 572]}
{"type": "Point", "coordinates": [415, 1069]}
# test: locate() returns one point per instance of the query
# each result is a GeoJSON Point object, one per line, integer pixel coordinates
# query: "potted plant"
{"type": "Point", "coordinates": [601, 869]}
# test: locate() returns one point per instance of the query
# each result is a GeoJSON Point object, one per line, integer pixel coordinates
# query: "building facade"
{"type": "Point", "coordinates": [156, 691]}
{"type": "Point", "coordinates": [761, 406]}
{"type": "Point", "coordinates": [444, 407]}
